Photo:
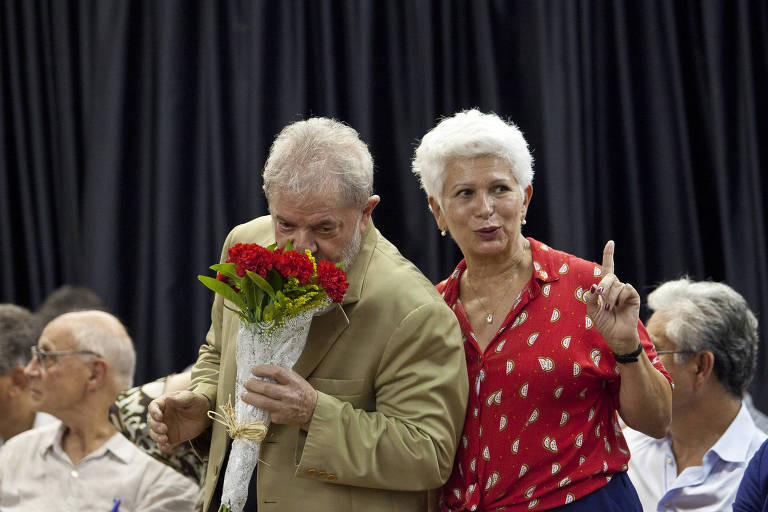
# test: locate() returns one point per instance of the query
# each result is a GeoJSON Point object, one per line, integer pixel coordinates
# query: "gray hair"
{"type": "Point", "coordinates": [19, 331]}
{"type": "Point", "coordinates": [102, 333]}
{"type": "Point", "coordinates": [469, 134]}
{"type": "Point", "coordinates": [320, 155]}
{"type": "Point", "coordinates": [711, 316]}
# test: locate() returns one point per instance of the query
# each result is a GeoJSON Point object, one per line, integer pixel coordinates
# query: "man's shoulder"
{"type": "Point", "coordinates": [32, 439]}
{"type": "Point", "coordinates": [258, 230]}
{"type": "Point", "coordinates": [153, 469]}
{"type": "Point", "coordinates": [390, 273]}
{"type": "Point", "coordinates": [643, 447]}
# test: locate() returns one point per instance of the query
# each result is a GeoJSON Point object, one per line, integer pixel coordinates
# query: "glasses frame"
{"type": "Point", "coordinates": [45, 357]}
{"type": "Point", "coordinates": [662, 352]}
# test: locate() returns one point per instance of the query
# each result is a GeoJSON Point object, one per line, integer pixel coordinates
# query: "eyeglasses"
{"type": "Point", "coordinates": [661, 352]}
{"type": "Point", "coordinates": [46, 358]}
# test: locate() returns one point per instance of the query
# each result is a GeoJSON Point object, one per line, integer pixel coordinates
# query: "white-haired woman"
{"type": "Point", "coordinates": [554, 345]}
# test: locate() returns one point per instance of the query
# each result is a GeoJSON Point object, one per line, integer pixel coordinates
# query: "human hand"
{"type": "Point", "coordinates": [287, 397]}
{"type": "Point", "coordinates": [176, 417]}
{"type": "Point", "coordinates": [614, 307]}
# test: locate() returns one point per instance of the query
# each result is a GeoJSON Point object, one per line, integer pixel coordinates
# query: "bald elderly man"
{"type": "Point", "coordinates": [80, 364]}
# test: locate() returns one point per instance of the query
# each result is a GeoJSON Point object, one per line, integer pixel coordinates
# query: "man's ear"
{"type": "Point", "coordinates": [19, 380]}
{"type": "Point", "coordinates": [704, 362]}
{"type": "Point", "coordinates": [98, 375]}
{"type": "Point", "coordinates": [370, 205]}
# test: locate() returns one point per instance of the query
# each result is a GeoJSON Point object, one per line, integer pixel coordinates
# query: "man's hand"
{"type": "Point", "coordinates": [287, 397]}
{"type": "Point", "coordinates": [614, 307]}
{"type": "Point", "coordinates": [176, 417]}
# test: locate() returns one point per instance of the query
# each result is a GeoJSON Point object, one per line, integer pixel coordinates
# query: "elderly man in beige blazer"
{"type": "Point", "coordinates": [369, 417]}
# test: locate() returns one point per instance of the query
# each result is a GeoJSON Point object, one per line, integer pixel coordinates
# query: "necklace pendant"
{"type": "Point", "coordinates": [489, 318]}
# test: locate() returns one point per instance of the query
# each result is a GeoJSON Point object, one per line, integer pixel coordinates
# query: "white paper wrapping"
{"type": "Point", "coordinates": [259, 344]}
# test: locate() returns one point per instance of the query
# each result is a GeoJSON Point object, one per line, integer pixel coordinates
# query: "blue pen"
{"type": "Point", "coordinates": [117, 505]}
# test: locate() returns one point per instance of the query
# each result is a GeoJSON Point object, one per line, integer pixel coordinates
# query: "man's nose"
{"type": "Point", "coordinates": [303, 240]}
{"type": "Point", "coordinates": [33, 368]}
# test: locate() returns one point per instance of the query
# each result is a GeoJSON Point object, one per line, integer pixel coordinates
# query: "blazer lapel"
{"type": "Point", "coordinates": [323, 333]}
{"type": "Point", "coordinates": [327, 328]}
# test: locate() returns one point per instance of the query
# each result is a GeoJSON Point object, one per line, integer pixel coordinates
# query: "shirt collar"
{"type": "Point", "coordinates": [733, 444]}
{"type": "Point", "coordinates": [118, 445]}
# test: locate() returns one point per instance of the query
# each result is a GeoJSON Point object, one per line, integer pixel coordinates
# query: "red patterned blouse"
{"type": "Point", "coordinates": [541, 428]}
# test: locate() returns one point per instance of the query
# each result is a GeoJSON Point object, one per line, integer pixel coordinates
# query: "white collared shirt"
{"type": "Point", "coordinates": [709, 487]}
{"type": "Point", "coordinates": [36, 474]}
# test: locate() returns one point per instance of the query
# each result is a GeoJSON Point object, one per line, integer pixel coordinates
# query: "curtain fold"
{"type": "Point", "coordinates": [133, 134]}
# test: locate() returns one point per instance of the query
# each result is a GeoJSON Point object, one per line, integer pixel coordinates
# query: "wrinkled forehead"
{"type": "Point", "coordinates": [56, 336]}
{"type": "Point", "coordinates": [310, 208]}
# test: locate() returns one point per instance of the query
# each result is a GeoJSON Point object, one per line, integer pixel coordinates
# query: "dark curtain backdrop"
{"type": "Point", "coordinates": [133, 134]}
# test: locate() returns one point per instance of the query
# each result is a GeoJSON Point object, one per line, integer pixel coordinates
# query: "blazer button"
{"type": "Point", "coordinates": [312, 471]}
{"type": "Point", "coordinates": [321, 473]}
{"type": "Point", "coordinates": [331, 477]}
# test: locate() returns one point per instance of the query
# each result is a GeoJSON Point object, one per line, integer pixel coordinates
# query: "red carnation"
{"type": "Point", "coordinates": [295, 264]}
{"type": "Point", "coordinates": [251, 257]}
{"type": "Point", "coordinates": [221, 277]}
{"type": "Point", "coordinates": [332, 279]}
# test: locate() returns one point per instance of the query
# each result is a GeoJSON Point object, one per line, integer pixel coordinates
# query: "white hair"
{"type": "Point", "coordinates": [320, 155]}
{"type": "Point", "coordinates": [469, 134]}
{"type": "Point", "coordinates": [711, 316]}
{"type": "Point", "coordinates": [102, 333]}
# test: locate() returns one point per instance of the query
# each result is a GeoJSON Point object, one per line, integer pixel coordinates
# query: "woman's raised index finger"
{"type": "Point", "coordinates": [608, 257]}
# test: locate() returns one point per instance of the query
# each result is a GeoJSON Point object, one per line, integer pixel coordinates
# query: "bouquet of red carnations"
{"type": "Point", "coordinates": [275, 293]}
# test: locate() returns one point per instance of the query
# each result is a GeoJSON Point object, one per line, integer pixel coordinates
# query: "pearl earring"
{"type": "Point", "coordinates": [523, 222]}
{"type": "Point", "coordinates": [442, 232]}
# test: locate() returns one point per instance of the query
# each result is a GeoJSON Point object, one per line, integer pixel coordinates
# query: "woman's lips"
{"type": "Point", "coordinates": [487, 233]}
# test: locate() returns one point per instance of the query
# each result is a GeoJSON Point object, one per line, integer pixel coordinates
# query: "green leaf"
{"type": "Point", "coordinates": [224, 290]}
{"type": "Point", "coordinates": [228, 269]}
{"type": "Point", "coordinates": [259, 303]}
{"type": "Point", "coordinates": [261, 283]}
{"type": "Point", "coordinates": [275, 280]}
{"type": "Point", "coordinates": [289, 246]}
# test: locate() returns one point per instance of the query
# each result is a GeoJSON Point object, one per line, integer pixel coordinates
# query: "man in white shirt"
{"type": "Point", "coordinates": [18, 333]}
{"type": "Point", "coordinates": [81, 363]}
{"type": "Point", "coordinates": [706, 336]}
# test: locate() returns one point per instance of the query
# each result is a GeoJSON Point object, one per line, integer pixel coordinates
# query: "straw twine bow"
{"type": "Point", "coordinates": [255, 431]}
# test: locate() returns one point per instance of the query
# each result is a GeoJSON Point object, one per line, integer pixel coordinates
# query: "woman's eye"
{"type": "Point", "coordinates": [500, 189]}
{"type": "Point", "coordinates": [464, 193]}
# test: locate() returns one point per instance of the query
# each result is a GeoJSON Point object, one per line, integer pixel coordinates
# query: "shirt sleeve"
{"type": "Point", "coordinates": [751, 495]}
{"type": "Point", "coordinates": [409, 441]}
{"type": "Point", "coordinates": [205, 372]}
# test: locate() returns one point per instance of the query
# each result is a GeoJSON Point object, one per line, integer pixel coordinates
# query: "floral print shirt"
{"type": "Point", "coordinates": [541, 428]}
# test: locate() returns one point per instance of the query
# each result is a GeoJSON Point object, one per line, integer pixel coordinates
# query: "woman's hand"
{"type": "Point", "coordinates": [614, 308]}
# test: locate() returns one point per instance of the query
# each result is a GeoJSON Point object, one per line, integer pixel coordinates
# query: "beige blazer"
{"type": "Point", "coordinates": [389, 368]}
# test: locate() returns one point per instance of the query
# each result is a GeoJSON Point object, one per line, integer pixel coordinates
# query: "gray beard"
{"type": "Point", "coordinates": [350, 252]}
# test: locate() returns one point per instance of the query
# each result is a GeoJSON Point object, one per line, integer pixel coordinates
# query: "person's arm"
{"type": "Point", "coordinates": [183, 415]}
{"type": "Point", "coordinates": [752, 495]}
{"type": "Point", "coordinates": [409, 442]}
{"type": "Point", "coordinates": [645, 395]}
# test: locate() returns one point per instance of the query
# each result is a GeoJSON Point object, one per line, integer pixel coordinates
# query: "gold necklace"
{"type": "Point", "coordinates": [489, 316]}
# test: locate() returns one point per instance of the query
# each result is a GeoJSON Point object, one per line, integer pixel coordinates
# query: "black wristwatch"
{"type": "Point", "coordinates": [628, 358]}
